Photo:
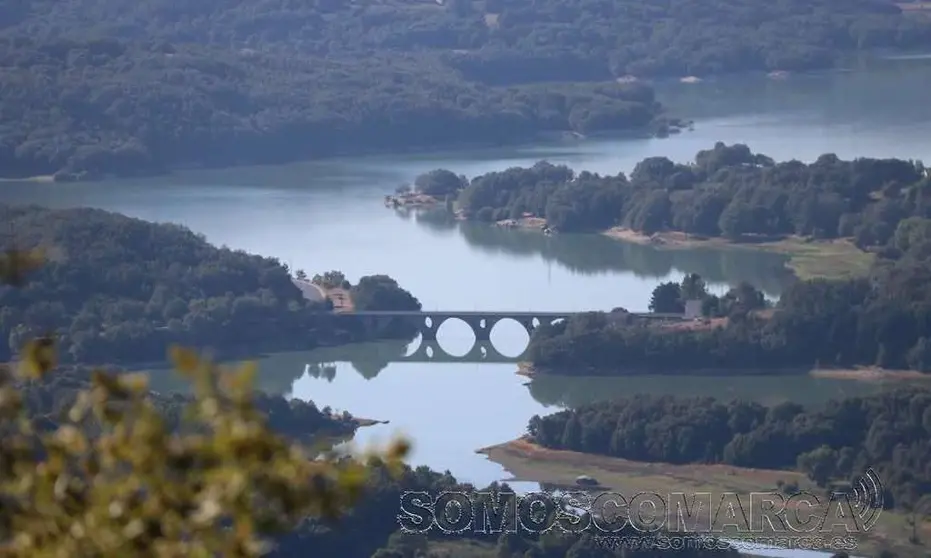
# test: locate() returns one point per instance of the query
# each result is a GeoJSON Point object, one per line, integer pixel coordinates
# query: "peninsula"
{"type": "Point", "coordinates": [830, 216]}
{"type": "Point", "coordinates": [879, 320]}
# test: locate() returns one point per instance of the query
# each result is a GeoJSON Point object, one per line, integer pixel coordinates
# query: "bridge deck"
{"type": "Point", "coordinates": [494, 313]}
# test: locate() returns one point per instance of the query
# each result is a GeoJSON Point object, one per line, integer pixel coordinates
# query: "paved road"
{"type": "Point", "coordinates": [310, 291]}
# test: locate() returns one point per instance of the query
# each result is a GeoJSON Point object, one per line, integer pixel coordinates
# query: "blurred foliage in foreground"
{"type": "Point", "coordinates": [216, 486]}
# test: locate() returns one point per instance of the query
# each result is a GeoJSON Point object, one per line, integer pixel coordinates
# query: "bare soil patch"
{"type": "Point", "coordinates": [527, 222]}
{"type": "Point", "coordinates": [411, 200]}
{"type": "Point", "coordinates": [342, 302]}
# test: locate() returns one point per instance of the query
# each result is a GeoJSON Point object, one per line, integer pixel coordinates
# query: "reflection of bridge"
{"type": "Point", "coordinates": [481, 352]}
{"type": "Point", "coordinates": [481, 322]}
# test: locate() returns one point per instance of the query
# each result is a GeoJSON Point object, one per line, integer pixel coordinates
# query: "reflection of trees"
{"type": "Point", "coordinates": [591, 254]}
{"type": "Point", "coordinates": [368, 359]}
{"type": "Point", "coordinates": [277, 373]}
{"type": "Point", "coordinates": [567, 391]}
{"type": "Point", "coordinates": [438, 220]}
{"type": "Point", "coordinates": [826, 94]}
{"type": "Point", "coordinates": [321, 371]}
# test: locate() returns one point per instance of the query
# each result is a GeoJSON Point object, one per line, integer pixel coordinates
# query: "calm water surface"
{"type": "Point", "coordinates": [326, 215]}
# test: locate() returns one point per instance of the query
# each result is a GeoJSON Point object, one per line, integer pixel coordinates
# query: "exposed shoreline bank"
{"type": "Point", "coordinates": [860, 374]}
{"type": "Point", "coordinates": [807, 259]}
{"type": "Point", "coordinates": [529, 462]}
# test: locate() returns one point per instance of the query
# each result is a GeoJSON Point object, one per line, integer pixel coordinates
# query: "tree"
{"type": "Point", "coordinates": [919, 511]}
{"type": "Point", "coordinates": [301, 274]}
{"type": "Point", "coordinates": [439, 182]}
{"type": "Point", "coordinates": [110, 477]}
{"type": "Point", "coordinates": [380, 292]}
{"type": "Point", "coordinates": [919, 356]}
{"type": "Point", "coordinates": [693, 287]}
{"type": "Point", "coordinates": [667, 298]}
{"type": "Point", "coordinates": [818, 464]}
{"type": "Point", "coordinates": [331, 280]}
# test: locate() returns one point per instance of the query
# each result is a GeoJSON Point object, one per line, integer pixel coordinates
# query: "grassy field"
{"type": "Point", "coordinates": [833, 259]}
{"type": "Point", "coordinates": [462, 549]}
{"type": "Point", "coordinates": [529, 462]}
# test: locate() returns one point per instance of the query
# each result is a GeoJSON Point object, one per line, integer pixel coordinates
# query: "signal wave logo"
{"type": "Point", "coordinates": [867, 498]}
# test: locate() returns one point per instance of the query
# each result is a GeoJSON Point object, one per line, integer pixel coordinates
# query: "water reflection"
{"type": "Point", "coordinates": [564, 391]}
{"type": "Point", "coordinates": [823, 98]}
{"type": "Point", "coordinates": [594, 254]}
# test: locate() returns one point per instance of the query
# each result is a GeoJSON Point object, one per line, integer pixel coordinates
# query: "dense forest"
{"type": "Point", "coordinates": [49, 399]}
{"type": "Point", "coordinates": [726, 191]}
{"type": "Point", "coordinates": [95, 87]}
{"type": "Point", "coordinates": [116, 289]}
{"type": "Point", "coordinates": [889, 432]}
{"type": "Point", "coordinates": [883, 319]}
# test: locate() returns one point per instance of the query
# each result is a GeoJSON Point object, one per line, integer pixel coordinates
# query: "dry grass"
{"type": "Point", "coordinates": [915, 6]}
{"type": "Point", "coordinates": [463, 548]}
{"type": "Point", "coordinates": [871, 374]}
{"type": "Point", "coordinates": [529, 462]}
{"type": "Point", "coordinates": [531, 223]}
{"type": "Point", "coordinates": [807, 259]}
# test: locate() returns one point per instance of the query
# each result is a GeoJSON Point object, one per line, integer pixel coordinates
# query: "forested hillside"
{"type": "Point", "coordinates": [883, 319]}
{"type": "Point", "coordinates": [92, 87]}
{"type": "Point", "coordinates": [117, 289]}
{"type": "Point", "coordinates": [888, 432]}
{"type": "Point", "coordinates": [727, 191]}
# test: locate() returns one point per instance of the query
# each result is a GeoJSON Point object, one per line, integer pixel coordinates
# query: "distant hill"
{"type": "Point", "coordinates": [94, 87]}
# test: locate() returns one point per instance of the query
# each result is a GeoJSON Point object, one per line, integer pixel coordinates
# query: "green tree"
{"type": "Point", "coordinates": [439, 182]}
{"type": "Point", "coordinates": [667, 297]}
{"type": "Point", "coordinates": [693, 287]}
{"type": "Point", "coordinates": [380, 292]}
{"type": "Point", "coordinates": [818, 464]}
{"type": "Point", "coordinates": [112, 478]}
{"type": "Point", "coordinates": [919, 356]}
{"type": "Point", "coordinates": [918, 513]}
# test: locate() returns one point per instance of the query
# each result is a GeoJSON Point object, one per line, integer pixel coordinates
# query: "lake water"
{"type": "Point", "coordinates": [327, 215]}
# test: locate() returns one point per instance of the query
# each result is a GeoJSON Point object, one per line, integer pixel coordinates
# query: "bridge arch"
{"type": "Point", "coordinates": [455, 336]}
{"type": "Point", "coordinates": [510, 336]}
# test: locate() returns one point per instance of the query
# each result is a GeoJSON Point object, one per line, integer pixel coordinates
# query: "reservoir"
{"type": "Point", "coordinates": [325, 215]}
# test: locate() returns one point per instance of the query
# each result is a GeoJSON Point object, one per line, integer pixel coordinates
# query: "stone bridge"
{"type": "Point", "coordinates": [428, 323]}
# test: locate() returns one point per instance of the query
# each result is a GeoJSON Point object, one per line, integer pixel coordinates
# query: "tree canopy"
{"type": "Point", "coordinates": [118, 290]}
{"type": "Point", "coordinates": [727, 191]}
{"type": "Point", "coordinates": [95, 87]}
{"type": "Point", "coordinates": [889, 432]}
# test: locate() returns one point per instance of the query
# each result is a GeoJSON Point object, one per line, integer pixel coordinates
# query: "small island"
{"type": "Point", "coordinates": [828, 216]}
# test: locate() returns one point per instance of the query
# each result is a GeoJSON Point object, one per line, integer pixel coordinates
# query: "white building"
{"type": "Point", "coordinates": [692, 309]}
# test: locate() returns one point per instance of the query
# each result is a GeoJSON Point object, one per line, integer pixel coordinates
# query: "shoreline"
{"type": "Point", "coordinates": [857, 374]}
{"type": "Point", "coordinates": [534, 138]}
{"type": "Point", "coordinates": [526, 461]}
{"type": "Point", "coordinates": [807, 259]}
{"type": "Point", "coordinates": [38, 179]}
